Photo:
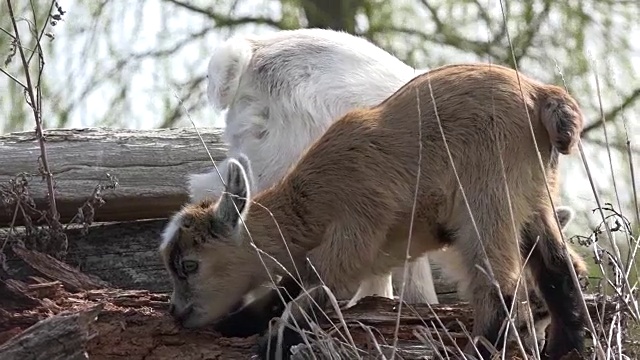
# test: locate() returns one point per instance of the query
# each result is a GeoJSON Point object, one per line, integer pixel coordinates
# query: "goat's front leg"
{"type": "Point", "coordinates": [254, 317]}
{"type": "Point", "coordinates": [298, 316]}
{"type": "Point", "coordinates": [341, 263]}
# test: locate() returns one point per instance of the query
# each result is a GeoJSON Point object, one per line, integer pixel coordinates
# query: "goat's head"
{"type": "Point", "coordinates": [204, 249]}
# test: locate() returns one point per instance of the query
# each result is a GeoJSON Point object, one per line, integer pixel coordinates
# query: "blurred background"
{"type": "Point", "coordinates": [132, 63]}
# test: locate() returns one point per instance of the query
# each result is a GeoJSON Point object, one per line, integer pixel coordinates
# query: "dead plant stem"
{"type": "Point", "coordinates": [38, 118]}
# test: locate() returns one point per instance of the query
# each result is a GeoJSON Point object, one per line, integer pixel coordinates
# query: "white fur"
{"type": "Point", "coordinates": [226, 66]}
{"type": "Point", "coordinates": [281, 92]}
{"type": "Point", "coordinates": [170, 230]}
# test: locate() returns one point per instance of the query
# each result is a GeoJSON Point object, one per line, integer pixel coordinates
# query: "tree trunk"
{"type": "Point", "coordinates": [150, 166]}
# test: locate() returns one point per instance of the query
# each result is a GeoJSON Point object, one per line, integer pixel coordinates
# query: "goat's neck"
{"type": "Point", "coordinates": [286, 229]}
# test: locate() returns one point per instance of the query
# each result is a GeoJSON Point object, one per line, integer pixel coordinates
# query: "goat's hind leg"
{"type": "Point", "coordinates": [490, 303]}
{"type": "Point", "coordinates": [549, 267]}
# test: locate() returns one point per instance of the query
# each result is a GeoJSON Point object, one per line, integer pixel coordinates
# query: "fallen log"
{"type": "Point", "coordinates": [135, 325]}
{"type": "Point", "coordinates": [129, 325]}
{"type": "Point", "coordinates": [62, 336]}
{"type": "Point", "coordinates": [72, 278]}
{"type": "Point", "coordinates": [150, 166]}
{"type": "Point", "coordinates": [126, 256]}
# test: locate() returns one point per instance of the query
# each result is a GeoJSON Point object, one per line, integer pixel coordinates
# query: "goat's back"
{"type": "Point", "coordinates": [483, 112]}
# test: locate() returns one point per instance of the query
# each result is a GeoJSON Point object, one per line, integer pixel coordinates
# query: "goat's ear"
{"type": "Point", "coordinates": [229, 62]}
{"type": "Point", "coordinates": [565, 215]}
{"type": "Point", "coordinates": [235, 201]}
{"type": "Point", "coordinates": [243, 160]}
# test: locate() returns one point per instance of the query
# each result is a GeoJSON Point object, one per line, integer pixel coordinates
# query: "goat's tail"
{"type": "Point", "coordinates": [229, 61]}
{"type": "Point", "coordinates": [562, 117]}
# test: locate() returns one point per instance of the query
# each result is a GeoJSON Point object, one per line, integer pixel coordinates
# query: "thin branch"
{"type": "Point", "coordinates": [38, 118]}
{"type": "Point", "coordinates": [13, 78]}
{"type": "Point", "coordinates": [612, 114]}
{"type": "Point", "coordinates": [223, 21]}
{"type": "Point", "coordinates": [524, 40]}
{"type": "Point", "coordinates": [617, 146]}
{"type": "Point", "coordinates": [7, 33]}
{"type": "Point", "coordinates": [452, 36]}
{"type": "Point", "coordinates": [177, 46]}
{"type": "Point", "coordinates": [175, 115]}
{"type": "Point", "coordinates": [477, 47]}
{"type": "Point", "coordinates": [35, 19]}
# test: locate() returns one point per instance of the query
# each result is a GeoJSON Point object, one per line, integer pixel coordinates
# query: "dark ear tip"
{"type": "Point", "coordinates": [565, 214]}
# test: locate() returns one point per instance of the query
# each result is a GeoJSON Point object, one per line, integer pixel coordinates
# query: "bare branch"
{"type": "Point", "coordinates": [617, 146]}
{"type": "Point", "coordinates": [8, 33]}
{"type": "Point", "coordinates": [224, 21]}
{"type": "Point", "coordinates": [38, 117]}
{"type": "Point", "coordinates": [43, 28]}
{"type": "Point", "coordinates": [173, 49]}
{"type": "Point", "coordinates": [172, 118]}
{"type": "Point", "coordinates": [524, 40]}
{"type": "Point", "coordinates": [13, 78]}
{"type": "Point", "coordinates": [612, 114]}
{"type": "Point", "coordinates": [477, 47]}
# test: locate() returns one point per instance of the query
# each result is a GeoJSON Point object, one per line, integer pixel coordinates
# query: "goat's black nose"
{"type": "Point", "coordinates": [179, 314]}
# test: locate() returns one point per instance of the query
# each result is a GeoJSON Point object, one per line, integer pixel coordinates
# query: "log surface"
{"type": "Point", "coordinates": [128, 325]}
{"type": "Point", "coordinates": [150, 166]}
{"type": "Point", "coordinates": [108, 323]}
{"type": "Point", "coordinates": [135, 325]}
{"type": "Point", "coordinates": [60, 337]}
{"type": "Point", "coordinates": [126, 256]}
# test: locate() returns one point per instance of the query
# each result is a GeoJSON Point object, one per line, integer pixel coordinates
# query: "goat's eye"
{"type": "Point", "coordinates": [189, 266]}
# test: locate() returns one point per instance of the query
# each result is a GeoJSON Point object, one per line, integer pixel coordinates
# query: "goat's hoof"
{"type": "Point", "coordinates": [234, 327]}
{"type": "Point", "coordinates": [241, 324]}
{"type": "Point", "coordinates": [268, 344]}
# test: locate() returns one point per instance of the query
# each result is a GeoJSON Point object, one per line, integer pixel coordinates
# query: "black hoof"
{"type": "Point", "coordinates": [241, 324]}
{"type": "Point", "coordinates": [572, 341]}
{"type": "Point", "coordinates": [268, 344]}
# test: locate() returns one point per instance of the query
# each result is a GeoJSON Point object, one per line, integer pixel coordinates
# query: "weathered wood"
{"type": "Point", "coordinates": [48, 266]}
{"type": "Point", "coordinates": [425, 329]}
{"type": "Point", "coordinates": [126, 256]}
{"type": "Point", "coordinates": [63, 336]}
{"type": "Point", "coordinates": [129, 325]}
{"type": "Point", "coordinates": [150, 166]}
{"type": "Point", "coordinates": [136, 325]}
{"type": "Point", "coordinates": [15, 295]}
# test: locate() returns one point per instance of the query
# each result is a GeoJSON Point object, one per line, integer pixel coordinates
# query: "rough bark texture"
{"type": "Point", "coordinates": [130, 324]}
{"type": "Point", "coordinates": [126, 256]}
{"type": "Point", "coordinates": [150, 166]}
{"type": "Point", "coordinates": [63, 336]}
{"type": "Point", "coordinates": [109, 323]}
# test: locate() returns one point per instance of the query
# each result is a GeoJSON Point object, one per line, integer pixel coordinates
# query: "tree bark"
{"type": "Point", "coordinates": [150, 166]}
{"type": "Point", "coordinates": [135, 325]}
{"type": "Point", "coordinates": [126, 255]}
{"type": "Point", "coordinates": [62, 336]}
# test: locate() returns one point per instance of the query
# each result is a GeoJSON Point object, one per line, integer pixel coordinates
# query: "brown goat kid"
{"type": "Point", "coordinates": [348, 206]}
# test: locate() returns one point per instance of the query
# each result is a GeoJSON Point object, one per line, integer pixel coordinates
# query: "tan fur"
{"type": "Point", "coordinates": [347, 205]}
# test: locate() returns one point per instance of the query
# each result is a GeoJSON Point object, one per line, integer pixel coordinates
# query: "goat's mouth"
{"type": "Point", "coordinates": [199, 319]}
